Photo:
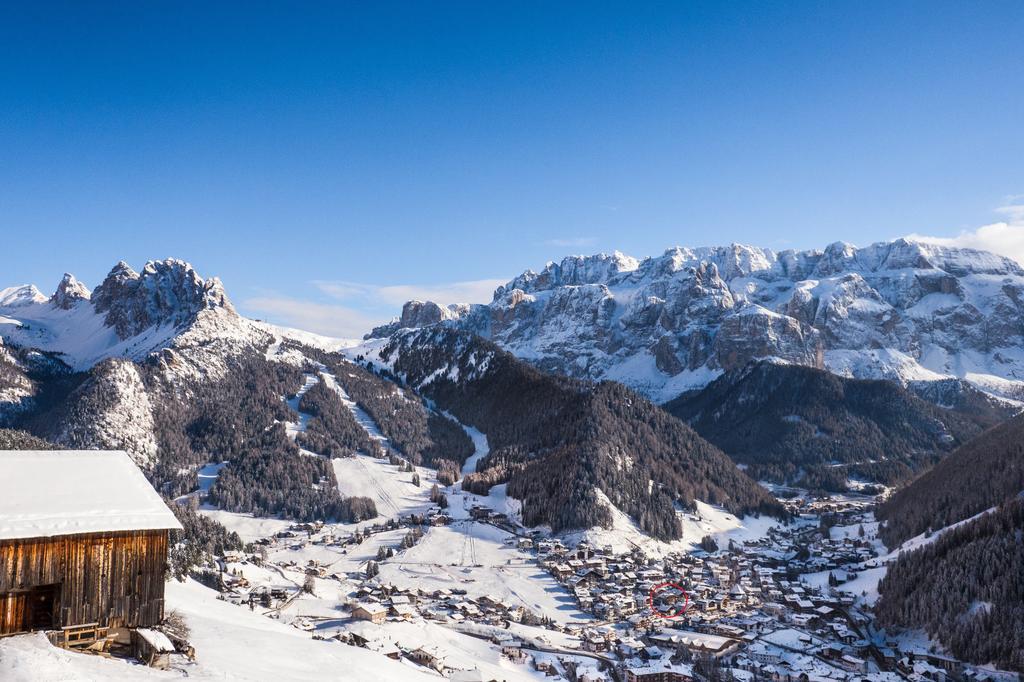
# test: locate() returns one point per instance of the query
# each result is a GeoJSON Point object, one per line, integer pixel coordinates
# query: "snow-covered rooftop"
{"type": "Point", "coordinates": [44, 493]}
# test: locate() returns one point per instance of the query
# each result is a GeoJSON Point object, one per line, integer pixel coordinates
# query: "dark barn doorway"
{"type": "Point", "coordinates": [27, 610]}
{"type": "Point", "coordinates": [43, 606]}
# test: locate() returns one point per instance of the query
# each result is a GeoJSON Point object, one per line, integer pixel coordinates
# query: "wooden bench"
{"type": "Point", "coordinates": [83, 635]}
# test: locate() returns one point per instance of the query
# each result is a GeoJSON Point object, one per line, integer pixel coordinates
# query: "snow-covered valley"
{"type": "Point", "coordinates": [438, 581]}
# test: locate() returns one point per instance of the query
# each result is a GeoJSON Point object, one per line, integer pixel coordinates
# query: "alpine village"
{"type": "Point", "coordinates": [512, 342]}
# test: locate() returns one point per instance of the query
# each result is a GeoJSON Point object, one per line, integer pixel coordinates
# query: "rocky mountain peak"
{"type": "Point", "coordinates": [26, 294]}
{"type": "Point", "coordinates": [905, 310]}
{"type": "Point", "coordinates": [165, 292]}
{"type": "Point", "coordinates": [69, 292]}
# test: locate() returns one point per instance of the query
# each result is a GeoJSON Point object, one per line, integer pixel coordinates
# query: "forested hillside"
{"type": "Point", "coordinates": [557, 441]}
{"type": "Point", "coordinates": [419, 433]}
{"type": "Point", "coordinates": [239, 419]}
{"type": "Point", "coordinates": [978, 475]}
{"type": "Point", "coordinates": [797, 424]}
{"type": "Point", "coordinates": [11, 439]}
{"type": "Point", "coordinates": [966, 589]}
{"type": "Point", "coordinates": [185, 425]}
{"type": "Point", "coordinates": [332, 431]}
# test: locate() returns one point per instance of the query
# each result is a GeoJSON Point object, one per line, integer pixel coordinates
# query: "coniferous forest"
{"type": "Point", "coordinates": [812, 428]}
{"type": "Point", "coordinates": [966, 588]}
{"type": "Point", "coordinates": [558, 441]}
{"type": "Point", "coordinates": [978, 475]}
{"type": "Point", "coordinates": [420, 434]}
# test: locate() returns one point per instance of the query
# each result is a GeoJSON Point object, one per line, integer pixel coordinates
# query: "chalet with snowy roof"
{"type": "Point", "coordinates": [429, 656]}
{"type": "Point", "coordinates": [371, 611]}
{"type": "Point", "coordinates": [83, 542]}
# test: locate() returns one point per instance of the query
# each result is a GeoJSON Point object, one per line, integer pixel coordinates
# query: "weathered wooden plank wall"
{"type": "Point", "coordinates": [114, 579]}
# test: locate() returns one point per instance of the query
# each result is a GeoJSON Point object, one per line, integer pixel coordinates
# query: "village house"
{"type": "Point", "coordinates": [402, 611]}
{"type": "Point", "coordinates": [697, 642]}
{"type": "Point", "coordinates": [659, 673]}
{"type": "Point", "coordinates": [512, 649]}
{"type": "Point", "coordinates": [83, 541]}
{"type": "Point", "coordinates": [375, 613]}
{"type": "Point", "coordinates": [428, 656]}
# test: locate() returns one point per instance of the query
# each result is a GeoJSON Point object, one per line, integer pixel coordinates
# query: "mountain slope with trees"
{"type": "Point", "coordinates": [419, 433]}
{"type": "Point", "coordinates": [557, 441]}
{"type": "Point", "coordinates": [966, 589]}
{"type": "Point", "coordinates": [978, 475]}
{"type": "Point", "coordinates": [790, 423]}
{"type": "Point", "coordinates": [159, 364]}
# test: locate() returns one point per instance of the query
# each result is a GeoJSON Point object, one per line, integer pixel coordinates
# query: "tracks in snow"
{"type": "Point", "coordinates": [468, 546]}
{"type": "Point", "coordinates": [385, 497]}
{"type": "Point", "coordinates": [293, 429]}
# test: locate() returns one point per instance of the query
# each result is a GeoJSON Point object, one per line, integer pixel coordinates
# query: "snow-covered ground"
{"type": "Point", "coordinates": [327, 343]}
{"type": "Point", "coordinates": [706, 520]}
{"type": "Point", "coordinates": [475, 557]}
{"type": "Point", "coordinates": [208, 476]}
{"type": "Point", "coordinates": [295, 428]}
{"type": "Point", "coordinates": [250, 528]}
{"type": "Point", "coordinates": [461, 651]}
{"type": "Point", "coordinates": [231, 643]}
{"type": "Point", "coordinates": [391, 489]}
{"type": "Point", "coordinates": [480, 449]}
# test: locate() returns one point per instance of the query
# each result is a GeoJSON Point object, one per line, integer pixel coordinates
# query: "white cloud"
{"type": "Point", "coordinates": [1014, 212]}
{"type": "Point", "coordinates": [473, 291]}
{"type": "Point", "coordinates": [329, 320]}
{"type": "Point", "coordinates": [571, 242]}
{"type": "Point", "coordinates": [1005, 238]}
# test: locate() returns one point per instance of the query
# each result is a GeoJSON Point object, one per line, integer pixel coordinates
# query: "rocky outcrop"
{"type": "Point", "coordinates": [69, 292]}
{"type": "Point", "coordinates": [418, 314]}
{"type": "Point", "coordinates": [165, 292]}
{"type": "Point", "coordinates": [901, 310]}
{"type": "Point", "coordinates": [16, 388]}
{"type": "Point", "coordinates": [71, 365]}
{"type": "Point", "coordinates": [111, 410]}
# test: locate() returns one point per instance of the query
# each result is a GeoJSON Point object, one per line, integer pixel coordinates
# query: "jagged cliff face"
{"type": "Point", "coordinates": [898, 310]}
{"type": "Point", "coordinates": [165, 292]}
{"type": "Point", "coordinates": [168, 318]}
{"type": "Point", "coordinates": [167, 306]}
{"type": "Point", "coordinates": [70, 292]}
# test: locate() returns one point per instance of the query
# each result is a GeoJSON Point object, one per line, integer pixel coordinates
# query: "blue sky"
{"type": "Point", "coordinates": [329, 160]}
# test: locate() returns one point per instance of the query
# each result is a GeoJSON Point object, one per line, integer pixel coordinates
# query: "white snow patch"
{"type": "Point", "coordinates": [706, 520]}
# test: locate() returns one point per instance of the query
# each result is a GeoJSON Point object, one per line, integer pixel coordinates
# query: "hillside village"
{"type": "Point", "coordinates": [790, 604]}
{"type": "Point", "coordinates": [451, 584]}
{"type": "Point", "coordinates": [437, 580]}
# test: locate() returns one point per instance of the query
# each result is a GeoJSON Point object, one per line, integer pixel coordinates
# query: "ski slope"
{"type": "Point", "coordinates": [478, 558]}
{"type": "Point", "coordinates": [391, 489]}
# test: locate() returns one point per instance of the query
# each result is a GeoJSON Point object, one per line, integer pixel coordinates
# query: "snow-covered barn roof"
{"type": "Point", "coordinates": [44, 493]}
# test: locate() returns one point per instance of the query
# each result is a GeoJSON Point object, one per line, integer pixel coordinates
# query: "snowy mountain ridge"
{"type": "Point", "coordinates": [902, 310]}
{"type": "Point", "coordinates": [167, 316]}
{"type": "Point", "coordinates": [166, 306]}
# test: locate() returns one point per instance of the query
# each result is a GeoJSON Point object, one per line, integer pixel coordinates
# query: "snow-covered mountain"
{"type": "Point", "coordinates": [167, 306]}
{"type": "Point", "coordinates": [159, 363]}
{"type": "Point", "coordinates": [901, 310]}
{"type": "Point", "coordinates": [167, 316]}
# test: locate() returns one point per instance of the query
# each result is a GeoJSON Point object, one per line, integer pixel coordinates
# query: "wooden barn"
{"type": "Point", "coordinates": [83, 541]}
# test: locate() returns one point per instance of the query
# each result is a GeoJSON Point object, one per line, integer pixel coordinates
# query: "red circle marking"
{"type": "Point", "coordinates": [668, 615]}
